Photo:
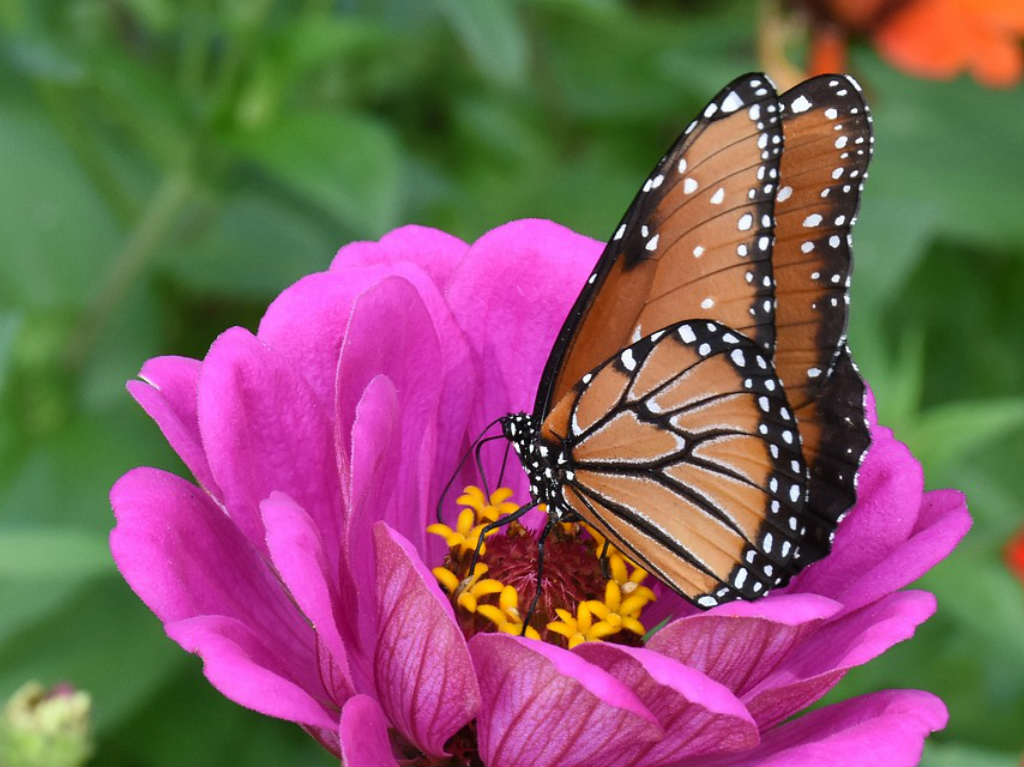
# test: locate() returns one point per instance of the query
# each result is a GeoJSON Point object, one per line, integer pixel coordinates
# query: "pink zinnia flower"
{"type": "Point", "coordinates": [299, 564]}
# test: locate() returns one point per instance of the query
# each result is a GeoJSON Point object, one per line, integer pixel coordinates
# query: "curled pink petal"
{"type": "Point", "coordinates": [436, 252]}
{"type": "Point", "coordinates": [257, 415]}
{"type": "Point", "coordinates": [410, 355]}
{"type": "Point", "coordinates": [739, 643]}
{"type": "Point", "coordinates": [297, 554]}
{"type": "Point", "coordinates": [306, 323]}
{"type": "Point", "coordinates": [882, 728]}
{"type": "Point", "coordinates": [185, 558]}
{"type": "Point", "coordinates": [239, 664]}
{"type": "Point", "coordinates": [375, 424]}
{"type": "Point", "coordinates": [425, 679]}
{"type": "Point", "coordinates": [543, 705]}
{"type": "Point", "coordinates": [698, 714]}
{"type": "Point", "coordinates": [943, 523]}
{"type": "Point", "coordinates": [815, 664]}
{"type": "Point", "coordinates": [363, 734]}
{"type": "Point", "coordinates": [167, 392]}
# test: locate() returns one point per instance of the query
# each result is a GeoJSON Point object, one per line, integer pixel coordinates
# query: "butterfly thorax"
{"type": "Point", "coordinates": [547, 466]}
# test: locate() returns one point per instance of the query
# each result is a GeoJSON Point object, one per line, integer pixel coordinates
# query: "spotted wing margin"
{"type": "Point", "coordinates": [695, 241]}
{"type": "Point", "coordinates": [682, 449]}
{"type": "Point", "coordinates": [827, 126]}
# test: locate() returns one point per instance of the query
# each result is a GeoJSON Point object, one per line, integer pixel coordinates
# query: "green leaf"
{"type": "Point", "coordinates": [57, 235]}
{"type": "Point", "coordinates": [890, 239]}
{"type": "Point", "coordinates": [347, 164]}
{"type": "Point", "coordinates": [950, 754]}
{"type": "Point", "coordinates": [28, 601]}
{"type": "Point", "coordinates": [40, 553]}
{"type": "Point", "coordinates": [948, 432]}
{"type": "Point", "coordinates": [255, 247]}
{"type": "Point", "coordinates": [944, 145]}
{"type": "Point", "coordinates": [219, 731]}
{"type": "Point", "coordinates": [40, 58]}
{"type": "Point", "coordinates": [104, 641]}
{"type": "Point", "coordinates": [492, 35]}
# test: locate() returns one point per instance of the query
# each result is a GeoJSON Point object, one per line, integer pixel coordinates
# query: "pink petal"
{"type": "Point", "coordinates": [297, 554]}
{"type": "Point", "coordinates": [184, 557]}
{"type": "Point", "coordinates": [697, 714]}
{"type": "Point", "coordinates": [816, 664]}
{"type": "Point", "coordinates": [392, 333]}
{"type": "Point", "coordinates": [543, 705]}
{"type": "Point", "coordinates": [884, 728]}
{"type": "Point", "coordinates": [263, 430]}
{"type": "Point", "coordinates": [424, 673]}
{"type": "Point", "coordinates": [238, 663]}
{"type": "Point", "coordinates": [889, 494]}
{"type": "Point", "coordinates": [363, 733]}
{"type": "Point", "coordinates": [371, 482]}
{"type": "Point", "coordinates": [434, 251]}
{"type": "Point", "coordinates": [511, 295]}
{"type": "Point", "coordinates": [167, 393]}
{"type": "Point", "coordinates": [739, 643]}
{"type": "Point", "coordinates": [943, 522]}
{"type": "Point", "coordinates": [306, 323]}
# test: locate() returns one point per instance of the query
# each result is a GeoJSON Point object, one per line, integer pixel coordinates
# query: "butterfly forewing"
{"type": "Point", "coordinates": [696, 241]}
{"type": "Point", "coordinates": [828, 145]}
{"type": "Point", "coordinates": [684, 451]}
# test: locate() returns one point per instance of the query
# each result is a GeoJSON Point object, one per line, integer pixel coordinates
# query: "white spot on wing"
{"type": "Point", "coordinates": [732, 102]}
{"type": "Point", "coordinates": [800, 104]}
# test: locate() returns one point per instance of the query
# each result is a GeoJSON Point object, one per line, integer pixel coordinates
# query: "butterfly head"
{"type": "Point", "coordinates": [546, 465]}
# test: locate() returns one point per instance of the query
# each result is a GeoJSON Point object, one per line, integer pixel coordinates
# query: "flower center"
{"type": "Point", "coordinates": [589, 591]}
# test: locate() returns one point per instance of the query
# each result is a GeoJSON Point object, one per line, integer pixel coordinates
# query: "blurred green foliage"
{"type": "Point", "coordinates": [168, 166]}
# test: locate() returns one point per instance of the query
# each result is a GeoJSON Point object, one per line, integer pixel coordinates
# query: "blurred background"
{"type": "Point", "coordinates": [168, 166]}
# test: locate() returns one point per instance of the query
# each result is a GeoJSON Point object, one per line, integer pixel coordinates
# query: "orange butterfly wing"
{"type": "Point", "coordinates": [684, 453]}
{"type": "Point", "coordinates": [696, 240]}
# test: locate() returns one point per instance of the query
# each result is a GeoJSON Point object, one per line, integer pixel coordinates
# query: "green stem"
{"type": "Point", "coordinates": [143, 241]}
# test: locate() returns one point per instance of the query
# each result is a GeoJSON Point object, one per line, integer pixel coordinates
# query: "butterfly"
{"type": "Point", "coordinates": [700, 408]}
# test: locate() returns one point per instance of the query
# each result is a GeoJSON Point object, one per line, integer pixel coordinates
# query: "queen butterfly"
{"type": "Point", "coordinates": [699, 407]}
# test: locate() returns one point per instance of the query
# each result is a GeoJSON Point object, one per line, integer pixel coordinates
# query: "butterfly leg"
{"type": "Point", "coordinates": [500, 522]}
{"type": "Point", "coordinates": [548, 526]}
{"type": "Point", "coordinates": [603, 556]}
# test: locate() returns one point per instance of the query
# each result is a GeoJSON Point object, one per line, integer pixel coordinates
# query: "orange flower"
{"type": "Point", "coordinates": [940, 38]}
{"type": "Point", "coordinates": [1014, 555]}
{"type": "Point", "coordinates": [928, 38]}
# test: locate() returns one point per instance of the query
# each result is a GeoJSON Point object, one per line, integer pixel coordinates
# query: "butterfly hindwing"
{"type": "Point", "coordinates": [682, 448]}
{"type": "Point", "coordinates": [696, 240]}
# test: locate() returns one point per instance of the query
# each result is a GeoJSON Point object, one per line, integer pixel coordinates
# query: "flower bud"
{"type": "Point", "coordinates": [46, 727]}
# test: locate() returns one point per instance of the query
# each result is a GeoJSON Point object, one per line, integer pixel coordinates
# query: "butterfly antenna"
{"type": "Point", "coordinates": [504, 463]}
{"type": "Point", "coordinates": [480, 465]}
{"type": "Point", "coordinates": [462, 462]}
